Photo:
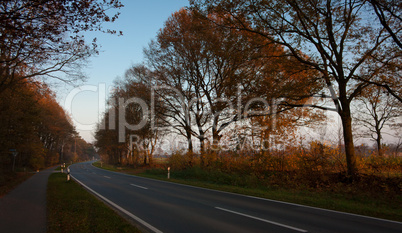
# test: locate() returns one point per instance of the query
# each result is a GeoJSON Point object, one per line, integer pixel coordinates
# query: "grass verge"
{"type": "Point", "coordinates": [380, 207]}
{"type": "Point", "coordinates": [10, 181]}
{"type": "Point", "coordinates": [70, 208]}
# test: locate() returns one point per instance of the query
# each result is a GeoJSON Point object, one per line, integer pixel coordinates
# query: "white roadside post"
{"type": "Point", "coordinates": [68, 174]}
{"type": "Point", "coordinates": [168, 175]}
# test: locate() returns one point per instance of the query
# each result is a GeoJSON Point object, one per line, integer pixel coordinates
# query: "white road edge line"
{"type": "Point", "coordinates": [258, 198]}
{"type": "Point", "coordinates": [261, 219]}
{"type": "Point", "coordinates": [107, 177]}
{"type": "Point", "coordinates": [149, 226]}
{"type": "Point", "coordinates": [138, 186]}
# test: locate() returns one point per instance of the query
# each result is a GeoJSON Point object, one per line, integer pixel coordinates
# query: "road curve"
{"type": "Point", "coordinates": [168, 207]}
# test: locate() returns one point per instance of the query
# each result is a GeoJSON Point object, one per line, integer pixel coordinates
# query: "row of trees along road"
{"type": "Point", "coordinates": [38, 129]}
{"type": "Point", "coordinates": [351, 44]}
{"type": "Point", "coordinates": [43, 39]}
{"type": "Point", "coordinates": [197, 72]}
{"type": "Point", "coordinates": [214, 62]}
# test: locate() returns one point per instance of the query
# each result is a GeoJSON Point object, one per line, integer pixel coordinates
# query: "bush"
{"type": "Point", "coordinates": [319, 167]}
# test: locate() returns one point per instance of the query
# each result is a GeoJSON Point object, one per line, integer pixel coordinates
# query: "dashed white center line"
{"type": "Point", "coordinates": [261, 219]}
{"type": "Point", "coordinates": [138, 186]}
{"type": "Point", "coordinates": [107, 177]}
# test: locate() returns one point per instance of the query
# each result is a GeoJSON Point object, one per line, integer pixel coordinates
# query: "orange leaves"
{"type": "Point", "coordinates": [33, 123]}
{"type": "Point", "coordinates": [317, 165]}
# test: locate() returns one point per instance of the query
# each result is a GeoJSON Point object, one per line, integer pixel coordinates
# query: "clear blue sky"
{"type": "Point", "coordinates": [140, 21]}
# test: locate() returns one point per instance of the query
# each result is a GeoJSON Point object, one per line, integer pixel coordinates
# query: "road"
{"type": "Point", "coordinates": [167, 207]}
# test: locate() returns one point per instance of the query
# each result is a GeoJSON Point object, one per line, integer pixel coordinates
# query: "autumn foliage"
{"type": "Point", "coordinates": [39, 40]}
{"type": "Point", "coordinates": [236, 82]}
{"type": "Point", "coordinates": [317, 167]}
{"type": "Point", "coordinates": [35, 126]}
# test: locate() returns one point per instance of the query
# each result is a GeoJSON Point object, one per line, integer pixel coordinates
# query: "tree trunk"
{"type": "Point", "coordinates": [150, 159]}
{"type": "Point", "coordinates": [348, 140]}
{"type": "Point", "coordinates": [202, 150]}
{"type": "Point", "coordinates": [216, 138]}
{"type": "Point", "coordinates": [190, 143]}
{"type": "Point", "coordinates": [215, 133]}
{"type": "Point", "coordinates": [202, 145]}
{"type": "Point", "coordinates": [379, 146]}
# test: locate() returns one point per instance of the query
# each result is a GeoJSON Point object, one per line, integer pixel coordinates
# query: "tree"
{"type": "Point", "coordinates": [214, 74]}
{"type": "Point", "coordinates": [34, 124]}
{"type": "Point", "coordinates": [117, 135]}
{"type": "Point", "coordinates": [376, 109]}
{"type": "Point", "coordinates": [55, 128]}
{"type": "Point", "coordinates": [44, 37]}
{"type": "Point", "coordinates": [170, 58]}
{"type": "Point", "coordinates": [137, 85]}
{"type": "Point", "coordinates": [199, 63]}
{"type": "Point", "coordinates": [389, 13]}
{"type": "Point", "coordinates": [107, 139]}
{"type": "Point", "coordinates": [336, 38]}
{"type": "Point", "coordinates": [18, 122]}
{"type": "Point", "coordinates": [386, 62]}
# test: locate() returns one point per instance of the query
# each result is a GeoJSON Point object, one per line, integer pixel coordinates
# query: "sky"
{"type": "Point", "coordinates": [140, 21]}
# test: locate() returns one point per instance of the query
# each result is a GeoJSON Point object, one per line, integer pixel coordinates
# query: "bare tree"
{"type": "Point", "coordinates": [172, 87]}
{"type": "Point", "coordinates": [375, 110]}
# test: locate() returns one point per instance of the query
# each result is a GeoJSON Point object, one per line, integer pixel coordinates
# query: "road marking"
{"type": "Point", "coordinates": [257, 198]}
{"type": "Point", "coordinates": [149, 226]}
{"type": "Point", "coordinates": [107, 177]}
{"type": "Point", "coordinates": [138, 186]}
{"type": "Point", "coordinates": [261, 219]}
{"type": "Point", "coordinates": [263, 199]}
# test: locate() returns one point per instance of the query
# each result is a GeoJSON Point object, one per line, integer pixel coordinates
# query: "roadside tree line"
{"type": "Point", "coordinates": [258, 69]}
{"type": "Point", "coordinates": [42, 40]}
{"type": "Point", "coordinates": [35, 126]}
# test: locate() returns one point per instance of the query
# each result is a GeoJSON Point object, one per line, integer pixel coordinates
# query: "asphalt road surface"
{"type": "Point", "coordinates": [24, 208]}
{"type": "Point", "coordinates": [167, 207]}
